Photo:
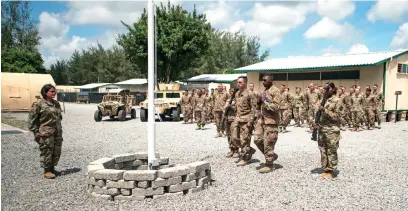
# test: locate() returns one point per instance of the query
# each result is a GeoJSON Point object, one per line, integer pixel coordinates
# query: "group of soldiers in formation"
{"type": "Point", "coordinates": [243, 113]}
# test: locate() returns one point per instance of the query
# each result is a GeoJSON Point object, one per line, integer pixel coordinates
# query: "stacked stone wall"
{"type": "Point", "coordinates": [126, 177]}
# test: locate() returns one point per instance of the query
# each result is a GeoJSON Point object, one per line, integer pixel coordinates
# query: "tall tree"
{"type": "Point", "coordinates": [182, 38]}
{"type": "Point", "coordinates": [19, 39]}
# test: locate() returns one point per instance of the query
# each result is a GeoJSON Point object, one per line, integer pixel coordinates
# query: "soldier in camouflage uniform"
{"type": "Point", "coordinates": [45, 122]}
{"type": "Point", "coordinates": [208, 103]}
{"type": "Point", "coordinates": [266, 129]}
{"type": "Point", "coordinates": [329, 133]}
{"type": "Point", "coordinates": [284, 109]}
{"type": "Point", "coordinates": [349, 103]}
{"type": "Point", "coordinates": [380, 103]}
{"type": "Point", "coordinates": [220, 99]}
{"type": "Point", "coordinates": [200, 106]}
{"type": "Point", "coordinates": [230, 127]}
{"type": "Point", "coordinates": [299, 102]}
{"type": "Point", "coordinates": [357, 109]}
{"type": "Point", "coordinates": [185, 106]}
{"type": "Point", "coordinates": [244, 120]}
{"type": "Point", "coordinates": [371, 106]}
{"type": "Point", "coordinates": [314, 97]}
{"type": "Point", "coordinates": [343, 109]}
{"type": "Point", "coordinates": [192, 105]}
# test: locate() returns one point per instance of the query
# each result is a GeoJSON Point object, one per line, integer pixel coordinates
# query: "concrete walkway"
{"type": "Point", "coordinates": [8, 129]}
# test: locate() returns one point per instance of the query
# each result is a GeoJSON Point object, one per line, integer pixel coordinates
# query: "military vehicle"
{"type": "Point", "coordinates": [167, 103]}
{"type": "Point", "coordinates": [116, 102]}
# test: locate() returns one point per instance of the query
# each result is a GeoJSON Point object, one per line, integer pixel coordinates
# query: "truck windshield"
{"type": "Point", "coordinates": [172, 95]}
{"type": "Point", "coordinates": [158, 95]}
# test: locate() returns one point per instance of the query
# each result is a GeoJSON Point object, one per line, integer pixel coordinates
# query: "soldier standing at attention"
{"type": "Point", "coordinates": [208, 104]}
{"type": "Point", "coordinates": [314, 97]}
{"type": "Point", "coordinates": [192, 105]}
{"type": "Point", "coordinates": [299, 102]}
{"type": "Point", "coordinates": [220, 99]}
{"type": "Point", "coordinates": [329, 132]}
{"type": "Point", "coordinates": [380, 103]}
{"type": "Point", "coordinates": [343, 113]}
{"type": "Point", "coordinates": [284, 109]}
{"type": "Point", "coordinates": [200, 106]}
{"type": "Point", "coordinates": [371, 106]}
{"type": "Point", "coordinates": [266, 131]}
{"type": "Point", "coordinates": [45, 122]}
{"type": "Point", "coordinates": [357, 109]}
{"type": "Point", "coordinates": [244, 119]}
{"type": "Point", "coordinates": [230, 127]}
{"type": "Point", "coordinates": [185, 106]}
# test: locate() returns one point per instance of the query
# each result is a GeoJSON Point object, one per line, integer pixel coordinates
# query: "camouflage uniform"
{"type": "Point", "coordinates": [220, 99]}
{"type": "Point", "coordinates": [200, 107]}
{"type": "Point", "coordinates": [193, 105]}
{"type": "Point", "coordinates": [343, 109]}
{"type": "Point", "coordinates": [45, 120]}
{"type": "Point", "coordinates": [208, 107]}
{"type": "Point", "coordinates": [285, 110]}
{"type": "Point", "coordinates": [371, 106]}
{"type": "Point", "coordinates": [357, 109]}
{"type": "Point", "coordinates": [266, 130]}
{"type": "Point", "coordinates": [230, 129]}
{"type": "Point", "coordinates": [329, 135]}
{"type": "Point", "coordinates": [314, 98]}
{"type": "Point", "coordinates": [380, 103]}
{"type": "Point", "coordinates": [299, 102]}
{"type": "Point", "coordinates": [347, 109]}
{"type": "Point", "coordinates": [244, 120]}
{"type": "Point", "coordinates": [186, 107]}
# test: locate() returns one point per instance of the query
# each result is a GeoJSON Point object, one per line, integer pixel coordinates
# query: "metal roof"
{"type": "Point", "coordinates": [217, 78]}
{"type": "Point", "coordinates": [91, 86]}
{"type": "Point", "coordinates": [134, 81]}
{"type": "Point", "coordinates": [322, 62]}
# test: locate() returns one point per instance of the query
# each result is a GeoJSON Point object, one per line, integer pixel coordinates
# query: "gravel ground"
{"type": "Point", "coordinates": [372, 164]}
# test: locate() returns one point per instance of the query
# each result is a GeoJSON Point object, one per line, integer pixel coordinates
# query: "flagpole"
{"type": "Point", "coordinates": [151, 129]}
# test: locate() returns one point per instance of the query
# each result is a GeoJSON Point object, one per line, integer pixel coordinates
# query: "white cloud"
{"type": "Point", "coordinates": [221, 14]}
{"type": "Point", "coordinates": [329, 29]}
{"type": "Point", "coordinates": [272, 21]}
{"type": "Point", "coordinates": [335, 9]}
{"type": "Point", "coordinates": [358, 48]}
{"type": "Point", "coordinates": [392, 11]}
{"type": "Point", "coordinates": [55, 41]}
{"type": "Point", "coordinates": [400, 39]}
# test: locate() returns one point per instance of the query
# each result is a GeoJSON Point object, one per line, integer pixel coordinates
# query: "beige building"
{"type": "Point", "coordinates": [389, 70]}
{"type": "Point", "coordinates": [20, 90]}
{"type": "Point", "coordinates": [134, 85]}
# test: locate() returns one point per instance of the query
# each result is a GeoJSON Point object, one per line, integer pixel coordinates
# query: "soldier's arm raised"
{"type": "Point", "coordinates": [34, 117]}
{"type": "Point", "coordinates": [333, 111]}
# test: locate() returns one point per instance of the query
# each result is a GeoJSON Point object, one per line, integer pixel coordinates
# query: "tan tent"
{"type": "Point", "coordinates": [19, 90]}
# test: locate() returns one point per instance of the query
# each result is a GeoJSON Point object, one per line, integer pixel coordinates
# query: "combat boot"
{"type": "Point", "coordinates": [235, 155]}
{"type": "Point", "coordinates": [242, 162]}
{"type": "Point", "coordinates": [266, 169]}
{"type": "Point", "coordinates": [327, 175]}
{"type": "Point", "coordinates": [217, 135]}
{"type": "Point", "coordinates": [229, 154]}
{"type": "Point", "coordinates": [48, 174]}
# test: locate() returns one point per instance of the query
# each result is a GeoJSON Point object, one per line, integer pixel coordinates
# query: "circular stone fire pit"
{"type": "Point", "coordinates": [126, 177]}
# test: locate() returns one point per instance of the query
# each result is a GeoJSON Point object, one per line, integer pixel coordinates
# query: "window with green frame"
{"type": "Point", "coordinates": [276, 76]}
{"type": "Point", "coordinates": [338, 75]}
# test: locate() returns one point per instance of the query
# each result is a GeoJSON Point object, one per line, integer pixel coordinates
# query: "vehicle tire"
{"type": "Point", "coordinates": [176, 114]}
{"type": "Point", "coordinates": [97, 116]}
{"type": "Point", "coordinates": [143, 115]}
{"type": "Point", "coordinates": [133, 113]}
{"type": "Point", "coordinates": [122, 115]}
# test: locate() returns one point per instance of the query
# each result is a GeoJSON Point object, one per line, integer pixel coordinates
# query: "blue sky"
{"type": "Point", "coordinates": [285, 28]}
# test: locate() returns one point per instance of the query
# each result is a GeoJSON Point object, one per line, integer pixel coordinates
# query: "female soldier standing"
{"type": "Point", "coordinates": [329, 132]}
{"type": "Point", "coordinates": [45, 122]}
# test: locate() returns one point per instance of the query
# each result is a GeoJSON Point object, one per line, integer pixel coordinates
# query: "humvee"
{"type": "Point", "coordinates": [116, 102]}
{"type": "Point", "coordinates": [167, 103]}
